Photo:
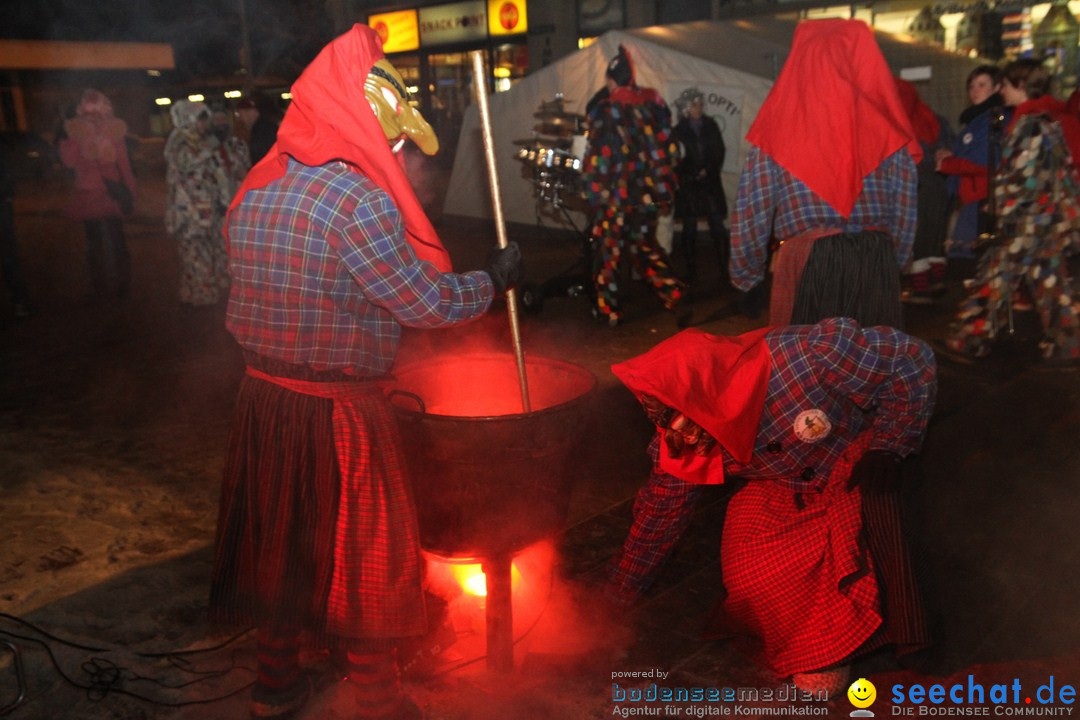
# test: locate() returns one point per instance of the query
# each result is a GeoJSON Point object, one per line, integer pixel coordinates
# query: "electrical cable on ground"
{"type": "Point", "coordinates": [106, 677]}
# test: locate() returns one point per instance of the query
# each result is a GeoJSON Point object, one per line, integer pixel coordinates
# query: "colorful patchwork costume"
{"type": "Point", "coordinates": [1038, 210]}
{"type": "Point", "coordinates": [629, 176]}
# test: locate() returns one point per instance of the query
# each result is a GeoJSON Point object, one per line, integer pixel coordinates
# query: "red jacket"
{"type": "Point", "coordinates": [973, 181]}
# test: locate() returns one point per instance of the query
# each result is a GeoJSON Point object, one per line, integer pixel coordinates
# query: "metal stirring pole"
{"type": "Point", "coordinates": [480, 86]}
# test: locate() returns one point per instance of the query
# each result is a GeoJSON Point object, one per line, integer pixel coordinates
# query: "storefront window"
{"type": "Point", "coordinates": [450, 88]}
{"type": "Point", "coordinates": [409, 67]}
{"type": "Point", "coordinates": [511, 63]}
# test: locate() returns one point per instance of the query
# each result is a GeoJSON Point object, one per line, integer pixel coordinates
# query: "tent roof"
{"type": "Point", "coordinates": [733, 44]}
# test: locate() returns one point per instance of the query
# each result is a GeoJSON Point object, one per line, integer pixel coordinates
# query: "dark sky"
{"type": "Point", "coordinates": [205, 34]}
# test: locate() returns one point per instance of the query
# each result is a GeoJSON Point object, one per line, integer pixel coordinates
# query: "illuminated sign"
{"type": "Point", "coordinates": [453, 23]}
{"type": "Point", "coordinates": [398, 30]}
{"type": "Point", "coordinates": [507, 17]}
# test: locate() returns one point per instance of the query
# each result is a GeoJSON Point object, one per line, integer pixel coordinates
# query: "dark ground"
{"type": "Point", "coordinates": [112, 427]}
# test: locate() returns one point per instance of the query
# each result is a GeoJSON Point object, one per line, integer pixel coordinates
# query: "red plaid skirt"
{"type": "Point", "coordinates": [798, 581]}
{"type": "Point", "coordinates": [787, 268]}
{"type": "Point", "coordinates": [317, 527]}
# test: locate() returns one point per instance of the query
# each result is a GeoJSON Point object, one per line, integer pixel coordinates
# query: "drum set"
{"type": "Point", "coordinates": [554, 158]}
{"type": "Point", "coordinates": [555, 154]}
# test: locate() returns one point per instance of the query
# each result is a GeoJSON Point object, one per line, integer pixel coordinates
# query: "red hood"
{"type": "Point", "coordinates": [833, 115]}
{"type": "Point", "coordinates": [718, 382]}
{"type": "Point", "coordinates": [923, 120]}
{"type": "Point", "coordinates": [330, 119]}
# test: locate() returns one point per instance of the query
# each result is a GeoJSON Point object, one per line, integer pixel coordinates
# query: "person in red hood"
{"type": "Point", "coordinates": [831, 176]}
{"type": "Point", "coordinates": [330, 254]}
{"type": "Point", "coordinates": [1037, 196]}
{"type": "Point", "coordinates": [816, 419]}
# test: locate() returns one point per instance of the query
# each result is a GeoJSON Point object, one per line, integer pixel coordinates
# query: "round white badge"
{"type": "Point", "coordinates": [812, 425]}
{"type": "Point", "coordinates": [968, 137]}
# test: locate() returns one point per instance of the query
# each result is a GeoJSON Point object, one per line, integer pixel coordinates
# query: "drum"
{"type": "Point", "coordinates": [578, 145]}
{"type": "Point", "coordinates": [557, 159]}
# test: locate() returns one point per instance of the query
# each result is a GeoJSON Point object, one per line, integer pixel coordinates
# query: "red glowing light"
{"type": "Point", "coordinates": [487, 385]}
{"type": "Point", "coordinates": [472, 580]}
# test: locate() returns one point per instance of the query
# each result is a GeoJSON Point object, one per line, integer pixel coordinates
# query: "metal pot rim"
{"type": "Point", "coordinates": [488, 357]}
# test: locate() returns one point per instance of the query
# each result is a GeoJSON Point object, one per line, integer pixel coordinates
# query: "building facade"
{"type": "Point", "coordinates": [435, 60]}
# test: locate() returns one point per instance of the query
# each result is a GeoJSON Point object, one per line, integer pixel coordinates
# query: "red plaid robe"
{"type": "Point", "coordinates": [798, 578]}
{"type": "Point", "coordinates": [798, 574]}
{"type": "Point", "coordinates": [318, 527]}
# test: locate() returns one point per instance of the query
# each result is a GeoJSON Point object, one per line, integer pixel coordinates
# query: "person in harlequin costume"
{"type": "Point", "coordinates": [1038, 226]}
{"type": "Point", "coordinates": [629, 178]}
{"type": "Point", "coordinates": [816, 419]}
{"type": "Point", "coordinates": [330, 254]}
{"type": "Point", "coordinates": [831, 176]}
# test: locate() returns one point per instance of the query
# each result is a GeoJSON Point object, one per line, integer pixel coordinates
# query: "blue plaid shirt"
{"type": "Point", "coordinates": [772, 202]}
{"type": "Point", "coordinates": [322, 275]}
{"type": "Point", "coordinates": [876, 378]}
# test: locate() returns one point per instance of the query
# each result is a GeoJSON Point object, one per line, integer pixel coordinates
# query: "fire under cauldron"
{"type": "Point", "coordinates": [490, 479]}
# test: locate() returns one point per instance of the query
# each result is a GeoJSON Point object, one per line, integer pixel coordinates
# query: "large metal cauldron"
{"type": "Point", "coordinates": [490, 479]}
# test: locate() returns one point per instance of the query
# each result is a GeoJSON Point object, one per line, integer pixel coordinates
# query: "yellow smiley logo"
{"type": "Point", "coordinates": [862, 693]}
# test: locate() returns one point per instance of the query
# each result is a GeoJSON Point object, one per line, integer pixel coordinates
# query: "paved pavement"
{"type": "Point", "coordinates": [131, 404]}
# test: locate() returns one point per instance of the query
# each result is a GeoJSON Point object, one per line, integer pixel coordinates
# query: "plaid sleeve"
{"type": "Point", "coordinates": [906, 183]}
{"type": "Point", "coordinates": [385, 267]}
{"type": "Point", "coordinates": [883, 371]}
{"type": "Point", "coordinates": [751, 221]}
{"type": "Point", "coordinates": [663, 509]}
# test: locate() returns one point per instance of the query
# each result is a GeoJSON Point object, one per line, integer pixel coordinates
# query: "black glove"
{"type": "Point", "coordinates": [505, 267]}
{"type": "Point", "coordinates": [750, 301]}
{"type": "Point", "coordinates": [876, 472]}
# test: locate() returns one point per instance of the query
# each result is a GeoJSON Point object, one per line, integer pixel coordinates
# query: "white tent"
{"type": "Point", "coordinates": [733, 62]}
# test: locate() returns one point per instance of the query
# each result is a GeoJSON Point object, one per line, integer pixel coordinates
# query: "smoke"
{"type": "Point", "coordinates": [560, 627]}
{"type": "Point", "coordinates": [425, 176]}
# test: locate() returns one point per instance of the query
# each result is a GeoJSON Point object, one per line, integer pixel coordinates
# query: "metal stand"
{"type": "Point", "coordinates": [499, 614]}
{"type": "Point", "coordinates": [573, 281]}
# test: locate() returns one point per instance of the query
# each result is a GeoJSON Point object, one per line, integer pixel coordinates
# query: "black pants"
{"type": "Point", "coordinates": [717, 232]}
{"type": "Point", "coordinates": [107, 257]}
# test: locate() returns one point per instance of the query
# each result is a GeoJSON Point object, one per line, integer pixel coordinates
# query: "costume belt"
{"type": "Point", "coordinates": [804, 241]}
{"type": "Point", "coordinates": [337, 390]}
{"type": "Point", "coordinates": [815, 233]}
